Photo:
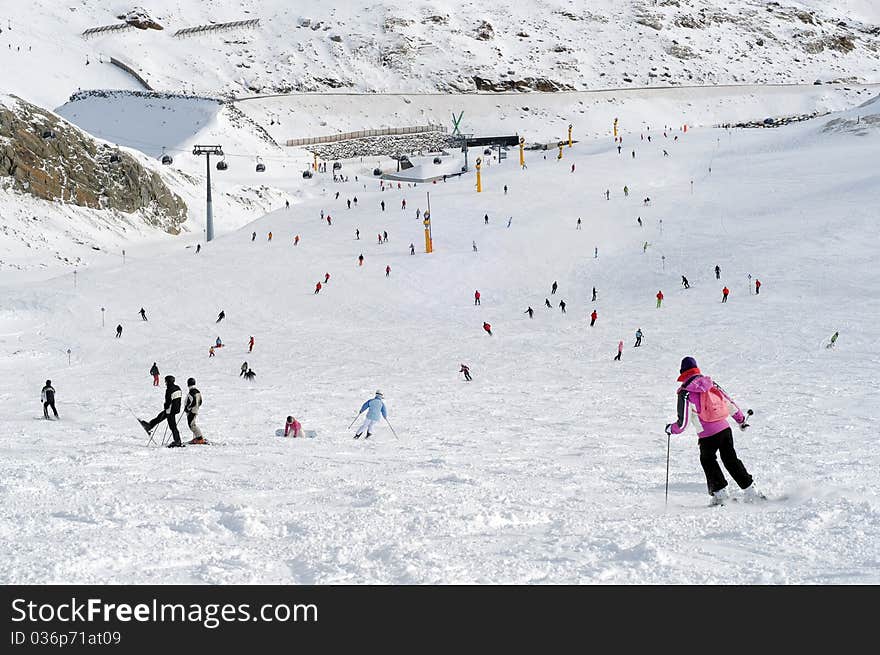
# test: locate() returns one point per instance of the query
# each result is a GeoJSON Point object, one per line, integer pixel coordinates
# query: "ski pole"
{"type": "Point", "coordinates": [668, 438]}
{"type": "Point", "coordinates": [355, 420]}
{"type": "Point", "coordinates": [744, 425]}
{"type": "Point", "coordinates": [392, 428]}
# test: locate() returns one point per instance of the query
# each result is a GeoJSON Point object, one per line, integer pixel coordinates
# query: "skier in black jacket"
{"type": "Point", "coordinates": [48, 397]}
{"type": "Point", "coordinates": [169, 412]}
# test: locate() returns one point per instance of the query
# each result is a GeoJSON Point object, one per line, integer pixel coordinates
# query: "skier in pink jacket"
{"type": "Point", "coordinates": [710, 403]}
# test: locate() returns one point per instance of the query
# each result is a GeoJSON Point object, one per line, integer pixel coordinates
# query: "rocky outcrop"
{"type": "Point", "coordinates": [525, 84]}
{"type": "Point", "coordinates": [777, 121]}
{"type": "Point", "coordinates": [47, 157]}
{"type": "Point", "coordinates": [141, 19]}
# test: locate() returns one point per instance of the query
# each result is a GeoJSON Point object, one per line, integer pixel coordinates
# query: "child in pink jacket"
{"type": "Point", "coordinates": [710, 404]}
{"type": "Point", "coordinates": [292, 426]}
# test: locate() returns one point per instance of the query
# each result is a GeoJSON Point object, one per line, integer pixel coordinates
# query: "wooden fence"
{"type": "Point", "coordinates": [216, 27]}
{"type": "Point", "coordinates": [348, 136]}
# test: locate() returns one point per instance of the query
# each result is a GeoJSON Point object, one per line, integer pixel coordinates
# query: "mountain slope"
{"type": "Point", "coordinates": [437, 45]}
{"type": "Point", "coordinates": [549, 467]}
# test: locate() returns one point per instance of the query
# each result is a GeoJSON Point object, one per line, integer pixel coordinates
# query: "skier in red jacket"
{"type": "Point", "coordinates": [593, 318]}
{"type": "Point", "coordinates": [724, 293]}
{"type": "Point", "coordinates": [476, 297]}
{"type": "Point", "coordinates": [318, 287]}
{"type": "Point", "coordinates": [488, 328]}
{"type": "Point", "coordinates": [757, 286]}
{"type": "Point", "coordinates": [251, 344]}
{"type": "Point", "coordinates": [326, 278]}
{"type": "Point", "coordinates": [659, 299]}
{"type": "Point", "coordinates": [387, 271]}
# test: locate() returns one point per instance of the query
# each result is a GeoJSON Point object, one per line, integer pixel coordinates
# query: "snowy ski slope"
{"type": "Point", "coordinates": [549, 467]}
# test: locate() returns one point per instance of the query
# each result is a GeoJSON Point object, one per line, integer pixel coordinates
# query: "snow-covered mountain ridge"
{"type": "Point", "coordinates": [436, 45]}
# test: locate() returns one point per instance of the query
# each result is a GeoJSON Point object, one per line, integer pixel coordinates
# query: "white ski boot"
{"type": "Point", "coordinates": [751, 495]}
{"type": "Point", "coordinates": [719, 497]}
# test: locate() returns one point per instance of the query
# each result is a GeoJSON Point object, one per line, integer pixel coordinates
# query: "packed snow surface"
{"type": "Point", "coordinates": [550, 466]}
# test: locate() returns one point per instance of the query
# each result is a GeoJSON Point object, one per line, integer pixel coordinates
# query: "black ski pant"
{"type": "Point", "coordinates": [723, 443]}
{"type": "Point", "coordinates": [617, 356]}
{"type": "Point", "coordinates": [467, 376]}
{"type": "Point", "coordinates": [46, 406]}
{"type": "Point", "coordinates": [172, 423]}
{"type": "Point", "coordinates": [724, 298]}
{"type": "Point", "coordinates": [592, 322]}
{"type": "Point", "coordinates": [638, 342]}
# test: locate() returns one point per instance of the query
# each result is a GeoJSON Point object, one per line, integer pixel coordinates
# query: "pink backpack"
{"type": "Point", "coordinates": [713, 405]}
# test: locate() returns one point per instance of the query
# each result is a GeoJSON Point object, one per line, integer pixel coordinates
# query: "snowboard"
{"type": "Point", "coordinates": [307, 434]}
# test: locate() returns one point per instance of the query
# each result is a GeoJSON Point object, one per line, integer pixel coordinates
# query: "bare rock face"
{"type": "Point", "coordinates": [139, 17]}
{"type": "Point", "coordinates": [485, 32]}
{"type": "Point", "coordinates": [46, 157]}
{"type": "Point", "coordinates": [525, 84]}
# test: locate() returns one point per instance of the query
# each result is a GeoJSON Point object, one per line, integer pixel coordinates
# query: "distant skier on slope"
{"type": "Point", "coordinates": [757, 286]}
{"type": "Point", "coordinates": [361, 259]}
{"type": "Point", "coordinates": [47, 397]}
{"type": "Point", "coordinates": [578, 224]}
{"type": "Point", "coordinates": [833, 340]}
{"type": "Point", "coordinates": [467, 372]}
{"type": "Point", "coordinates": [488, 328]}
{"type": "Point", "coordinates": [318, 288]}
{"type": "Point", "coordinates": [530, 312]}
{"type": "Point", "coordinates": [169, 412]}
{"type": "Point", "coordinates": [143, 314]}
{"type": "Point", "coordinates": [619, 351]}
{"type": "Point", "coordinates": [594, 294]}
{"type": "Point", "coordinates": [220, 316]}
{"type": "Point", "coordinates": [477, 297]}
{"type": "Point", "coordinates": [154, 371]}
{"type": "Point", "coordinates": [244, 369]}
{"type": "Point", "coordinates": [717, 272]}
{"type": "Point", "coordinates": [659, 299]}
{"type": "Point", "coordinates": [593, 318]}
{"type": "Point", "coordinates": [710, 403]}
{"type": "Point", "coordinates": [562, 306]}
{"type": "Point", "coordinates": [724, 293]}
{"type": "Point", "coordinates": [375, 409]}
{"type": "Point", "coordinates": [638, 338]}
{"type": "Point", "coordinates": [118, 330]}
{"type": "Point", "coordinates": [685, 283]}
{"type": "Point", "coordinates": [251, 344]}
{"type": "Point", "coordinates": [554, 287]}
{"type": "Point", "coordinates": [547, 303]}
